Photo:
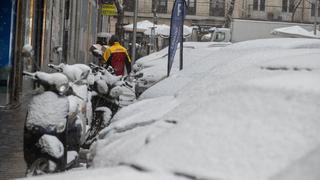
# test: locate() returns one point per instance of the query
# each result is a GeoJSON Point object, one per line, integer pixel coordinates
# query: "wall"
{"type": "Point", "coordinates": [242, 29]}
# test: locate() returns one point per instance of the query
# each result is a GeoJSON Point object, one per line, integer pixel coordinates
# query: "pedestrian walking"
{"type": "Point", "coordinates": [117, 57]}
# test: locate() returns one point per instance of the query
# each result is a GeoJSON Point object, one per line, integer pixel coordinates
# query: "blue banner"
{"type": "Point", "coordinates": [176, 31]}
{"type": "Point", "coordinates": [5, 32]}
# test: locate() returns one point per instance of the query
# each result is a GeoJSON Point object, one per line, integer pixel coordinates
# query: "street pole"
{"type": "Point", "coordinates": [133, 55]}
{"type": "Point", "coordinates": [315, 17]}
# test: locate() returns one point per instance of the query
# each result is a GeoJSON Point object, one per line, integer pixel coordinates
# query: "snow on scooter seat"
{"type": "Point", "coordinates": [56, 79]}
{"type": "Point", "coordinates": [49, 111]}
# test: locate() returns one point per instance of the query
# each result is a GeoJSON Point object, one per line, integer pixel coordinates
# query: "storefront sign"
{"type": "Point", "coordinates": [108, 10]}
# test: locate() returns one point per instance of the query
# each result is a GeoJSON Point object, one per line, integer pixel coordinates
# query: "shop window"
{"type": "Point", "coordinates": [288, 5]}
{"type": "Point", "coordinates": [5, 50]}
{"type": "Point", "coordinates": [217, 8]}
{"type": "Point", "coordinates": [128, 5]}
{"type": "Point", "coordinates": [191, 7]}
{"type": "Point", "coordinates": [259, 5]}
{"type": "Point", "coordinates": [160, 5]}
{"type": "Point", "coordinates": [313, 9]}
{"type": "Point", "coordinates": [255, 5]}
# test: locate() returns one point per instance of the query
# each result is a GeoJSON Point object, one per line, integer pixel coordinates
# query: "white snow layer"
{"type": "Point", "coordinates": [51, 145]}
{"type": "Point", "coordinates": [74, 72]}
{"type": "Point", "coordinates": [246, 111]}
{"type": "Point", "coordinates": [294, 31]}
{"type": "Point", "coordinates": [49, 111]}
{"type": "Point", "coordinates": [161, 29]}
{"type": "Point", "coordinates": [57, 79]}
{"type": "Point", "coordinates": [117, 173]}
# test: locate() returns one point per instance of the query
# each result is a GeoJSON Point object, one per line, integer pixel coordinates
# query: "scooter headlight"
{"type": "Point", "coordinates": [60, 127]}
{"type": "Point", "coordinates": [62, 89]}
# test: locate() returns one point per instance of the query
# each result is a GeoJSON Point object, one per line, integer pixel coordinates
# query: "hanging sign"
{"type": "Point", "coordinates": [108, 10]}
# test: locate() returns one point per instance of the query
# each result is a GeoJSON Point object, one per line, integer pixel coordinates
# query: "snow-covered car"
{"type": "Point", "coordinates": [246, 111]}
{"type": "Point", "coordinates": [154, 66]}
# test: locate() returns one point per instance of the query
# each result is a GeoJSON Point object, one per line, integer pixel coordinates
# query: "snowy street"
{"type": "Point", "coordinates": [249, 110]}
{"type": "Point", "coordinates": [160, 89]}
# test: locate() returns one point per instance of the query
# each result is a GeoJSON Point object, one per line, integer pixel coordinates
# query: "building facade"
{"type": "Point", "coordinates": [60, 31]}
{"type": "Point", "coordinates": [204, 12]}
{"type": "Point", "coordinates": [213, 12]}
{"type": "Point", "coordinates": [276, 10]}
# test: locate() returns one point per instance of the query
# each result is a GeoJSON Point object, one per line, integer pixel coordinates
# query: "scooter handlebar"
{"type": "Point", "coordinates": [55, 67]}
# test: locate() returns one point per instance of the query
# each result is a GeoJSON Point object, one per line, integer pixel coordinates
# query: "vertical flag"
{"type": "Point", "coordinates": [176, 32]}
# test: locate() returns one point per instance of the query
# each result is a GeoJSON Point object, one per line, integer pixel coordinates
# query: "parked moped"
{"type": "Point", "coordinates": [57, 122]}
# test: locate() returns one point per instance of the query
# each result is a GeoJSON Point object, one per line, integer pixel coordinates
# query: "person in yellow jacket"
{"type": "Point", "coordinates": [117, 57]}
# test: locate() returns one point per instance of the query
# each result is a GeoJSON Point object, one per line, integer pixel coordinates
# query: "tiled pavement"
{"type": "Point", "coordinates": [12, 163]}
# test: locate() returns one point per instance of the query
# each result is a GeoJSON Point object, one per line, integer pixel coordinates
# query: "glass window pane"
{"type": "Point", "coordinates": [262, 5]}
{"type": "Point", "coordinates": [191, 5]}
{"type": "Point", "coordinates": [255, 5]}
{"type": "Point", "coordinates": [217, 8]}
{"type": "Point", "coordinates": [5, 50]}
{"type": "Point", "coordinates": [284, 5]}
{"type": "Point", "coordinates": [291, 6]}
{"type": "Point", "coordinates": [128, 5]}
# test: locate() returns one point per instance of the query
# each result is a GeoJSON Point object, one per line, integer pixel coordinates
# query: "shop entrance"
{"type": "Point", "coordinates": [6, 50]}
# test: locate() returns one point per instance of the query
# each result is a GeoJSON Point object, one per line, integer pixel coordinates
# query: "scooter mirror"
{"type": "Point", "coordinates": [27, 51]}
{"type": "Point", "coordinates": [84, 75]}
{"type": "Point", "coordinates": [57, 49]}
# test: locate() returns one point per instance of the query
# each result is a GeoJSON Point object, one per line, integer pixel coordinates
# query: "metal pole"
{"type": "Point", "coordinates": [181, 43]}
{"type": "Point", "coordinates": [133, 55]}
{"type": "Point", "coordinates": [315, 17]}
{"type": "Point", "coordinates": [108, 24]}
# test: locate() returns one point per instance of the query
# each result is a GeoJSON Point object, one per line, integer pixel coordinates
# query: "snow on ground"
{"type": "Point", "coordinates": [295, 31]}
{"type": "Point", "coordinates": [154, 66]}
{"type": "Point", "coordinates": [118, 173]}
{"type": "Point", "coordinates": [246, 111]}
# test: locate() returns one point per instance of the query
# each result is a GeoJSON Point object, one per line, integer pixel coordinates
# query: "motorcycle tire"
{"type": "Point", "coordinates": [42, 166]}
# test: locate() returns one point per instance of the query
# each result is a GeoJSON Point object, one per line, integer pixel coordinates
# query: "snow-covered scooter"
{"type": "Point", "coordinates": [55, 126]}
{"type": "Point", "coordinates": [98, 116]}
{"type": "Point", "coordinates": [53, 130]}
{"type": "Point", "coordinates": [113, 91]}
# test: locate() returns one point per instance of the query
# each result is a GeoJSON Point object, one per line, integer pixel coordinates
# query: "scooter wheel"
{"type": "Point", "coordinates": [41, 166]}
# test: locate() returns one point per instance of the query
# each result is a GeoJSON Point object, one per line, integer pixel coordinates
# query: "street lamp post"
{"type": "Point", "coordinates": [134, 39]}
{"type": "Point", "coordinates": [315, 17]}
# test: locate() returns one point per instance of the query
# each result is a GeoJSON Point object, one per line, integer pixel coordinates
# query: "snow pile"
{"type": "Point", "coordinates": [49, 111]}
{"type": "Point", "coordinates": [72, 155]}
{"type": "Point", "coordinates": [56, 79]}
{"type": "Point", "coordinates": [234, 119]}
{"type": "Point", "coordinates": [51, 145]}
{"type": "Point", "coordinates": [280, 43]}
{"type": "Point", "coordinates": [295, 31]}
{"type": "Point", "coordinates": [304, 82]}
{"type": "Point", "coordinates": [141, 26]}
{"type": "Point", "coordinates": [154, 66]}
{"type": "Point", "coordinates": [161, 29]}
{"type": "Point", "coordinates": [164, 30]}
{"type": "Point", "coordinates": [74, 72]}
{"type": "Point", "coordinates": [117, 173]}
{"type": "Point", "coordinates": [247, 111]}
